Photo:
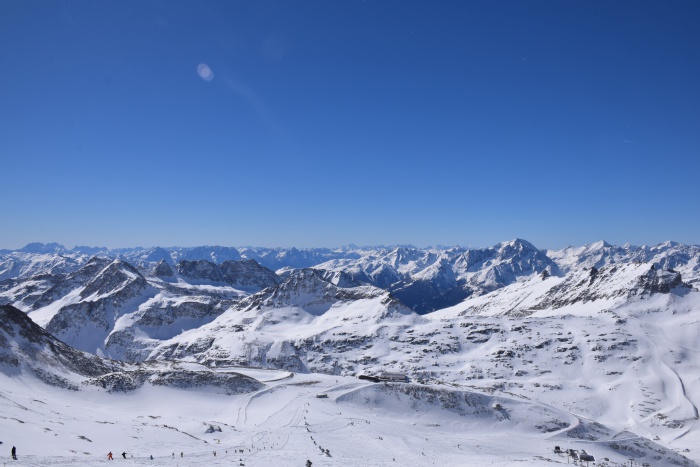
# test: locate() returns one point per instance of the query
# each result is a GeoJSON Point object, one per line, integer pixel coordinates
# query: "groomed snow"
{"type": "Point", "coordinates": [286, 424]}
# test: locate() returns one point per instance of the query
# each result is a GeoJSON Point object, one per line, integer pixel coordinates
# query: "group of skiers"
{"type": "Point", "coordinates": [109, 456]}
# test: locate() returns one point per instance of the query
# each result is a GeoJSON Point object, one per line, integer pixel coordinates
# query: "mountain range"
{"type": "Point", "coordinates": [606, 332]}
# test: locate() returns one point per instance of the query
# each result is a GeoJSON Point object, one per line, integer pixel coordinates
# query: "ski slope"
{"type": "Point", "coordinates": [359, 423]}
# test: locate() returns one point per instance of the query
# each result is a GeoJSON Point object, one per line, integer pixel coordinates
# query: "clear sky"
{"type": "Point", "coordinates": [323, 123]}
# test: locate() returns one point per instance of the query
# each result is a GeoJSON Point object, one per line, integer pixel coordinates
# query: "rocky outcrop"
{"type": "Point", "coordinates": [163, 269]}
{"type": "Point", "coordinates": [26, 345]}
{"type": "Point", "coordinates": [200, 270]}
{"type": "Point", "coordinates": [248, 274]}
{"type": "Point", "coordinates": [228, 383]}
{"type": "Point", "coordinates": [660, 281]}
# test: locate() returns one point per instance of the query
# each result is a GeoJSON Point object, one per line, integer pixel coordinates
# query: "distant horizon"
{"type": "Point", "coordinates": [348, 245]}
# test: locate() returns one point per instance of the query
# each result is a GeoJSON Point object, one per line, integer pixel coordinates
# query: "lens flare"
{"type": "Point", "coordinates": [205, 72]}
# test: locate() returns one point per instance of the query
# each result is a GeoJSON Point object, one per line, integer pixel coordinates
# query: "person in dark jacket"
{"type": "Point", "coordinates": [14, 453]}
{"type": "Point", "coordinates": [124, 454]}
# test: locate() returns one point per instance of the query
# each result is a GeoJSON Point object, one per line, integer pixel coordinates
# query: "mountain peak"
{"type": "Point", "coordinates": [37, 247]}
{"type": "Point", "coordinates": [163, 269]}
{"type": "Point", "coordinates": [517, 245]}
{"type": "Point", "coordinates": [306, 278]}
{"type": "Point", "coordinates": [667, 244]}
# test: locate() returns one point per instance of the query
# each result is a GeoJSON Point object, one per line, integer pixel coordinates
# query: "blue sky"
{"type": "Point", "coordinates": [317, 123]}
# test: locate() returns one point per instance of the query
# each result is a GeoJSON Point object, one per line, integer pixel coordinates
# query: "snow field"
{"type": "Point", "coordinates": [285, 424]}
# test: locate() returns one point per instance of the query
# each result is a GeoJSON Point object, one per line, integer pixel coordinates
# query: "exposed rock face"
{"type": "Point", "coordinates": [284, 355]}
{"type": "Point", "coordinates": [226, 383]}
{"type": "Point", "coordinates": [87, 323]}
{"type": "Point", "coordinates": [72, 281]}
{"type": "Point", "coordinates": [117, 277]}
{"type": "Point", "coordinates": [24, 344]}
{"type": "Point", "coordinates": [245, 274]}
{"type": "Point", "coordinates": [163, 269]}
{"type": "Point", "coordinates": [667, 255]}
{"type": "Point", "coordinates": [425, 296]}
{"type": "Point", "coordinates": [162, 320]}
{"type": "Point", "coordinates": [307, 289]}
{"type": "Point", "coordinates": [341, 278]}
{"type": "Point", "coordinates": [248, 274]}
{"type": "Point", "coordinates": [27, 291]}
{"type": "Point", "coordinates": [660, 281]}
{"type": "Point", "coordinates": [200, 270]}
{"type": "Point", "coordinates": [610, 282]}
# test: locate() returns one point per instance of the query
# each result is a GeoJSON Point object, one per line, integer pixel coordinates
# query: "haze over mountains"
{"type": "Point", "coordinates": [604, 333]}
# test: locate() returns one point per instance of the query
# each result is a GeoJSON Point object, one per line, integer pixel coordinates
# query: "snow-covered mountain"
{"type": "Point", "coordinates": [242, 274]}
{"type": "Point", "coordinates": [19, 264]}
{"type": "Point", "coordinates": [425, 279]}
{"type": "Point", "coordinates": [27, 347]}
{"type": "Point", "coordinates": [108, 306]}
{"type": "Point", "coordinates": [667, 255]}
{"type": "Point", "coordinates": [151, 409]}
{"type": "Point", "coordinates": [605, 332]}
{"type": "Point", "coordinates": [292, 326]}
{"type": "Point", "coordinates": [29, 350]}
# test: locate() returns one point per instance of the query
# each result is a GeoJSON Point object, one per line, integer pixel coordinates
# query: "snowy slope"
{"type": "Point", "coordinates": [285, 424]}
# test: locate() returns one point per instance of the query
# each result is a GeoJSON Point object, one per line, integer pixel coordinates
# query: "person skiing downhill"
{"type": "Point", "coordinates": [109, 456]}
{"type": "Point", "coordinates": [14, 453]}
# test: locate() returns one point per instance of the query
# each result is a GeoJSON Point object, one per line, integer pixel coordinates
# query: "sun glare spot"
{"type": "Point", "coordinates": [205, 72]}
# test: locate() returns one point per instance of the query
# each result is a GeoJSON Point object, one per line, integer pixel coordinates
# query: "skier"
{"type": "Point", "coordinates": [109, 456]}
{"type": "Point", "coordinates": [124, 454]}
{"type": "Point", "coordinates": [14, 453]}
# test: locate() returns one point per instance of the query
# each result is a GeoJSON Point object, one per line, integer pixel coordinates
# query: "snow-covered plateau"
{"type": "Point", "coordinates": [252, 356]}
